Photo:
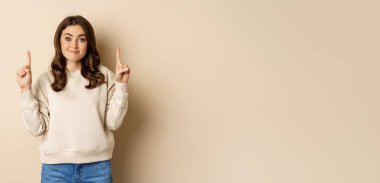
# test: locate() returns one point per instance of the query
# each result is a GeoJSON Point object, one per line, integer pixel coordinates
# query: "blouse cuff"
{"type": "Point", "coordinates": [27, 99]}
{"type": "Point", "coordinates": [121, 87]}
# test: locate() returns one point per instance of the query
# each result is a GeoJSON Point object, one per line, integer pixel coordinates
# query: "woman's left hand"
{"type": "Point", "coordinates": [122, 71]}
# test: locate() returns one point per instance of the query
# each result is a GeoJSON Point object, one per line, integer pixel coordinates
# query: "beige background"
{"type": "Point", "coordinates": [232, 91]}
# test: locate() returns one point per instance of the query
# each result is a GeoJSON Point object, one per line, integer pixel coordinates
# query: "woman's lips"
{"type": "Point", "coordinates": [74, 52]}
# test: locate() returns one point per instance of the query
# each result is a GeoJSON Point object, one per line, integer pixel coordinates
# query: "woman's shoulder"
{"type": "Point", "coordinates": [44, 80]}
{"type": "Point", "coordinates": [46, 76]}
{"type": "Point", "coordinates": [106, 71]}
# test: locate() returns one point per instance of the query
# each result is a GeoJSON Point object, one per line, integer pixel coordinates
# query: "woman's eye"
{"type": "Point", "coordinates": [82, 40]}
{"type": "Point", "coordinates": [67, 38]}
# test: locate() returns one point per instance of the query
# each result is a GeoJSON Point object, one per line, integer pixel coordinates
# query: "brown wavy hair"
{"type": "Point", "coordinates": [90, 62]}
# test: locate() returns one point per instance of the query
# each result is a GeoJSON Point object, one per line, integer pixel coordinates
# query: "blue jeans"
{"type": "Point", "coordinates": [96, 172]}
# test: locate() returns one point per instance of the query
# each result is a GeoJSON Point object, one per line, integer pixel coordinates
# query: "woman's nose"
{"type": "Point", "coordinates": [74, 44]}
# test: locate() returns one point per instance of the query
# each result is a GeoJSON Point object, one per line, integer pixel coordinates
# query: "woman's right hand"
{"type": "Point", "coordinates": [24, 75]}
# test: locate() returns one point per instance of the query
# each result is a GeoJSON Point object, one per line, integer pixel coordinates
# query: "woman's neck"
{"type": "Point", "coordinates": [73, 66]}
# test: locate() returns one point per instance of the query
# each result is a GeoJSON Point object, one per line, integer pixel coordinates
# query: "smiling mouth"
{"type": "Point", "coordinates": [74, 52]}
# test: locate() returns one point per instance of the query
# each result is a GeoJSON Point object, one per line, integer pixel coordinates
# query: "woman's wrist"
{"type": "Point", "coordinates": [23, 90]}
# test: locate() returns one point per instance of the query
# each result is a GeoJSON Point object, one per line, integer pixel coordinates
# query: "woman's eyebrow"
{"type": "Point", "coordinates": [72, 35]}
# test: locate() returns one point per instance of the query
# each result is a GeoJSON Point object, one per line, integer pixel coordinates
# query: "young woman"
{"type": "Point", "coordinates": [75, 106]}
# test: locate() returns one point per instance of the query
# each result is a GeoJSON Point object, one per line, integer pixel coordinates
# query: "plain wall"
{"type": "Point", "coordinates": [222, 91]}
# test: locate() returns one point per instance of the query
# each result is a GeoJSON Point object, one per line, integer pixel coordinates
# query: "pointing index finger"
{"type": "Point", "coordinates": [29, 60]}
{"type": "Point", "coordinates": [118, 56]}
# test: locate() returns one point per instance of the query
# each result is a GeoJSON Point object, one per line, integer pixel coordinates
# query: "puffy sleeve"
{"type": "Point", "coordinates": [35, 108]}
{"type": "Point", "coordinates": [117, 103]}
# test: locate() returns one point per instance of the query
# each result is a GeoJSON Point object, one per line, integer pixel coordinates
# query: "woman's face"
{"type": "Point", "coordinates": [73, 43]}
